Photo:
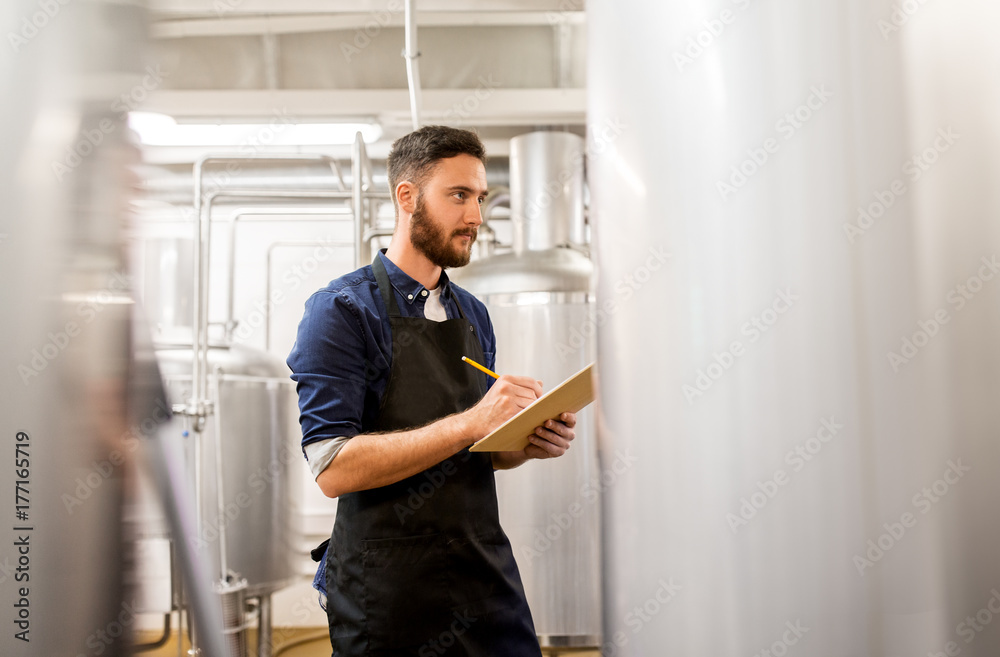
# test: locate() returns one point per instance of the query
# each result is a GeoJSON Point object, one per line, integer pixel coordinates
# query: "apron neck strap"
{"type": "Point", "coordinates": [382, 278]}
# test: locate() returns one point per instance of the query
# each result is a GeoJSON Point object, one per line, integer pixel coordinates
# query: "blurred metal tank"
{"type": "Point", "coordinates": [721, 537]}
{"type": "Point", "coordinates": [540, 302]}
{"type": "Point", "coordinates": [66, 325]}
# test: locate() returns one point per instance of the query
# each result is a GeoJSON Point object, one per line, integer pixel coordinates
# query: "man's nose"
{"type": "Point", "coordinates": [474, 216]}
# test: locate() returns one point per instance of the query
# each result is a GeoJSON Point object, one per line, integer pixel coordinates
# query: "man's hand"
{"type": "Point", "coordinates": [504, 400]}
{"type": "Point", "coordinates": [548, 441]}
{"type": "Point", "coordinates": [553, 438]}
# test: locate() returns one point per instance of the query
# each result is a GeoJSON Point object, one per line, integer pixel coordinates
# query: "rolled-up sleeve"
{"type": "Point", "coordinates": [328, 363]}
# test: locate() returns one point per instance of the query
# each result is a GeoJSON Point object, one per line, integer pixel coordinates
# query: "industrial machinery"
{"type": "Point", "coordinates": [237, 404]}
{"type": "Point", "coordinates": [241, 462]}
{"type": "Point", "coordinates": [541, 305]}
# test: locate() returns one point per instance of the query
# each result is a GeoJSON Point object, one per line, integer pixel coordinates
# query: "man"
{"type": "Point", "coordinates": [417, 563]}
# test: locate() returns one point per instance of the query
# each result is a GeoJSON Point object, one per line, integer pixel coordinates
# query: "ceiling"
{"type": "Point", "coordinates": [500, 66]}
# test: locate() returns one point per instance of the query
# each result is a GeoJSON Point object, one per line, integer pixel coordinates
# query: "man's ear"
{"type": "Point", "coordinates": [406, 196]}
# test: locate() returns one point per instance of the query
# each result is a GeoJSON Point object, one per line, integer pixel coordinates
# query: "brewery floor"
{"type": "Point", "coordinates": [318, 646]}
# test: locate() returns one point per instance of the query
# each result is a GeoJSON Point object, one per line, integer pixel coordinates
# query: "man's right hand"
{"type": "Point", "coordinates": [504, 400]}
{"type": "Point", "coordinates": [379, 459]}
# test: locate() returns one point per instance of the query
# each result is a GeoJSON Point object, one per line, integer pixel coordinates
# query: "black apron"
{"type": "Point", "coordinates": [421, 567]}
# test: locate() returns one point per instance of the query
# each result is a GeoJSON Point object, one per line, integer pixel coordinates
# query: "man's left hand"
{"type": "Point", "coordinates": [553, 438]}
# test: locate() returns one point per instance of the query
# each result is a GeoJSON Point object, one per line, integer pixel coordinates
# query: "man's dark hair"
{"type": "Point", "coordinates": [414, 156]}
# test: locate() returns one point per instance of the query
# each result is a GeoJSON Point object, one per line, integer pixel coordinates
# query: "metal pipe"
{"type": "Point", "coordinates": [239, 214]}
{"type": "Point", "coordinates": [340, 174]}
{"type": "Point", "coordinates": [199, 406]}
{"type": "Point", "coordinates": [181, 612]}
{"type": "Point", "coordinates": [264, 627]}
{"type": "Point", "coordinates": [199, 339]}
{"type": "Point", "coordinates": [377, 232]}
{"type": "Point", "coordinates": [356, 196]}
{"type": "Point", "coordinates": [159, 643]}
{"type": "Point", "coordinates": [498, 199]}
{"type": "Point", "coordinates": [267, 290]}
{"type": "Point", "coordinates": [163, 458]}
{"type": "Point", "coordinates": [412, 66]}
{"type": "Point", "coordinates": [220, 503]}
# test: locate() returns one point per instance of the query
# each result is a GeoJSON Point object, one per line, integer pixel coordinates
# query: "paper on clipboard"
{"type": "Point", "coordinates": [568, 397]}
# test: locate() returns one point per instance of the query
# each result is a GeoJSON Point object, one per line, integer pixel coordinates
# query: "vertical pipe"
{"type": "Point", "coordinates": [357, 199]}
{"type": "Point", "coordinates": [412, 66]}
{"type": "Point", "coordinates": [220, 502]}
{"type": "Point", "coordinates": [197, 284]}
{"type": "Point", "coordinates": [264, 634]}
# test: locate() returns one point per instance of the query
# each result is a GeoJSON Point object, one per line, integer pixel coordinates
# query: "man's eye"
{"type": "Point", "coordinates": [460, 195]}
{"type": "Point", "coordinates": [481, 199]}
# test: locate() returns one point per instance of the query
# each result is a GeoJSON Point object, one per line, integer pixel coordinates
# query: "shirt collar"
{"type": "Point", "coordinates": [409, 288]}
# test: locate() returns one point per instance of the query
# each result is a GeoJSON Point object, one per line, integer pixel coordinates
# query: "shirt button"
{"type": "Point", "coordinates": [424, 293]}
{"type": "Point", "coordinates": [410, 297]}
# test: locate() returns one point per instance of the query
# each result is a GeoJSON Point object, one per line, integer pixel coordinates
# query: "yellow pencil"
{"type": "Point", "coordinates": [480, 367]}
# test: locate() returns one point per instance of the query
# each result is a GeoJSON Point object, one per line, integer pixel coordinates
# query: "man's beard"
{"type": "Point", "coordinates": [430, 239]}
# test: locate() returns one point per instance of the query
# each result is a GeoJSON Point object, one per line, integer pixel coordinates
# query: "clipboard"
{"type": "Point", "coordinates": [568, 397]}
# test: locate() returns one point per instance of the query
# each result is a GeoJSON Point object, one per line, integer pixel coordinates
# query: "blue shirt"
{"type": "Point", "coordinates": [343, 351]}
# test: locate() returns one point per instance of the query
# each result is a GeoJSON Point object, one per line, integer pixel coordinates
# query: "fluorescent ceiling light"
{"type": "Point", "coordinates": [162, 130]}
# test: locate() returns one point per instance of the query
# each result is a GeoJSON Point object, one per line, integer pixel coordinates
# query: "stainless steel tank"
{"type": "Point", "coordinates": [799, 488]}
{"type": "Point", "coordinates": [540, 302]}
{"type": "Point", "coordinates": [252, 533]}
{"type": "Point", "coordinates": [546, 190]}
